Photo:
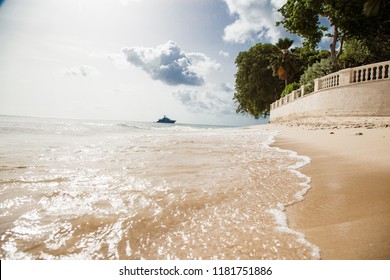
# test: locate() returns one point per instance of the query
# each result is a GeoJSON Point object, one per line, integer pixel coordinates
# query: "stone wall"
{"type": "Point", "coordinates": [361, 91]}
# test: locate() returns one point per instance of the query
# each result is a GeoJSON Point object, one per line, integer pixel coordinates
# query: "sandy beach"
{"type": "Point", "coordinates": [346, 213]}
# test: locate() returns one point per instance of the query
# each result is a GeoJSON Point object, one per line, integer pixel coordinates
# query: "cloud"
{"type": "Point", "coordinates": [255, 21]}
{"type": "Point", "coordinates": [223, 53]}
{"type": "Point", "coordinates": [215, 100]}
{"type": "Point", "coordinates": [202, 64]}
{"type": "Point", "coordinates": [82, 71]}
{"type": "Point", "coordinates": [118, 60]}
{"type": "Point", "coordinates": [169, 64]}
{"type": "Point", "coordinates": [126, 2]}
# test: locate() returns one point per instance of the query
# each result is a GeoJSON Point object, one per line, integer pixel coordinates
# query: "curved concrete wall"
{"type": "Point", "coordinates": [370, 98]}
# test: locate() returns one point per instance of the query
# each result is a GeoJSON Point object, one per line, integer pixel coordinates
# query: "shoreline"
{"type": "Point", "coordinates": [346, 213]}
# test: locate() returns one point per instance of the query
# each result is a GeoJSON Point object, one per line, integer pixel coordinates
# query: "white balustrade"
{"type": "Point", "coordinates": [366, 73]}
{"type": "Point", "coordinates": [372, 72]}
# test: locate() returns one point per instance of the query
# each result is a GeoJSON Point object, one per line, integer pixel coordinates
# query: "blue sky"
{"type": "Point", "coordinates": [129, 59]}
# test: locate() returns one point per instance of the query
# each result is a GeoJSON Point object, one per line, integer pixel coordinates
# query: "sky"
{"type": "Point", "coordinates": [133, 60]}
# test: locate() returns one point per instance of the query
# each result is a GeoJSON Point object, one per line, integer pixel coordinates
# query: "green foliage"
{"type": "Point", "coordinates": [289, 88]}
{"type": "Point", "coordinates": [284, 63]}
{"type": "Point", "coordinates": [347, 19]}
{"type": "Point", "coordinates": [317, 70]}
{"type": "Point", "coordinates": [284, 43]}
{"type": "Point", "coordinates": [377, 39]}
{"type": "Point", "coordinates": [307, 56]}
{"type": "Point", "coordinates": [256, 86]}
{"type": "Point", "coordinates": [355, 53]}
{"type": "Point", "coordinates": [302, 17]}
{"type": "Point", "coordinates": [361, 29]}
{"type": "Point", "coordinates": [358, 52]}
{"type": "Point", "coordinates": [372, 7]}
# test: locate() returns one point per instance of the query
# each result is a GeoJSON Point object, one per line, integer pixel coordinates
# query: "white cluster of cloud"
{"type": "Point", "coordinates": [215, 100]}
{"type": "Point", "coordinates": [224, 54]}
{"type": "Point", "coordinates": [126, 2]}
{"type": "Point", "coordinates": [82, 71]}
{"type": "Point", "coordinates": [255, 21]}
{"type": "Point", "coordinates": [169, 64]}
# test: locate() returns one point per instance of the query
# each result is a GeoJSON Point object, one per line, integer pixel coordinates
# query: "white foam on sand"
{"type": "Point", "coordinates": [279, 212]}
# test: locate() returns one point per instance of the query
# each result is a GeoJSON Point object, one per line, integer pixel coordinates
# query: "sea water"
{"type": "Point", "coordinates": [72, 189]}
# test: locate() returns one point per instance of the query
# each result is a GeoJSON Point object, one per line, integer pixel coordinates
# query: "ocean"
{"type": "Point", "coordinates": [77, 189]}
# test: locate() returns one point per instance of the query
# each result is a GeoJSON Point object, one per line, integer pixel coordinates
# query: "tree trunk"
{"type": "Point", "coordinates": [341, 46]}
{"type": "Point", "coordinates": [334, 43]}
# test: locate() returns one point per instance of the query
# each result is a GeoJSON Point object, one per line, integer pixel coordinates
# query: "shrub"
{"type": "Point", "coordinates": [317, 70]}
{"type": "Point", "coordinates": [355, 53]}
{"type": "Point", "coordinates": [289, 88]}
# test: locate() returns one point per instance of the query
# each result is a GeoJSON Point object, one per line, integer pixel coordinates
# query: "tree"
{"type": "Point", "coordinates": [317, 70]}
{"type": "Point", "coordinates": [355, 53]}
{"type": "Point", "coordinates": [284, 63]}
{"type": "Point", "coordinates": [345, 17]}
{"type": "Point", "coordinates": [307, 56]}
{"type": "Point", "coordinates": [303, 19]}
{"type": "Point", "coordinates": [256, 86]}
{"type": "Point", "coordinates": [372, 7]}
{"type": "Point", "coordinates": [377, 38]}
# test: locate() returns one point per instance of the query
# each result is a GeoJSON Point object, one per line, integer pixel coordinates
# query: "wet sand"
{"type": "Point", "coordinates": [346, 213]}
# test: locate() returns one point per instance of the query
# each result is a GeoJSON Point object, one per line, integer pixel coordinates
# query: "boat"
{"type": "Point", "coordinates": [165, 119]}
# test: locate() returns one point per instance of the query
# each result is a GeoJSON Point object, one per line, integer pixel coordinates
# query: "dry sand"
{"type": "Point", "coordinates": [347, 211]}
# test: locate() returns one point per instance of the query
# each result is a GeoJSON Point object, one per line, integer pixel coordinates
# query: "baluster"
{"type": "Point", "coordinates": [369, 74]}
{"type": "Point", "coordinates": [364, 75]}
{"type": "Point", "coordinates": [374, 72]}
{"type": "Point", "coordinates": [359, 75]}
{"type": "Point", "coordinates": [354, 77]}
{"type": "Point", "coordinates": [380, 74]}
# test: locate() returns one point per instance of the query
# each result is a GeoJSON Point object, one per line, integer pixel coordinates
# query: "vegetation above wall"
{"type": "Point", "coordinates": [358, 38]}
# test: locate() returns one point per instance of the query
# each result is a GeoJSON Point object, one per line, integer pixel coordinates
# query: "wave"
{"type": "Point", "coordinates": [168, 127]}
